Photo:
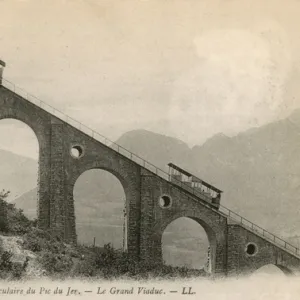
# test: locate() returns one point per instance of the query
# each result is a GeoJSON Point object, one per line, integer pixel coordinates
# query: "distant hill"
{"type": "Point", "coordinates": [156, 148]}
{"type": "Point", "coordinates": [18, 174]}
{"type": "Point", "coordinates": [258, 170]}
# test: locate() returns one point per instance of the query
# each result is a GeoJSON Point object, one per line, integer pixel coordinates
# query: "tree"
{"type": "Point", "coordinates": [3, 211]}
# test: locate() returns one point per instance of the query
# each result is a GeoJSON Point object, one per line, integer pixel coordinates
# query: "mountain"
{"type": "Point", "coordinates": [155, 148]}
{"type": "Point", "coordinates": [258, 170]}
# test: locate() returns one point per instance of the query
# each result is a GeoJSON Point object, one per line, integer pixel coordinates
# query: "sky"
{"type": "Point", "coordinates": [183, 68]}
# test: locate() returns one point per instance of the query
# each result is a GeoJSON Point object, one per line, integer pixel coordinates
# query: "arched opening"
{"type": "Point", "coordinates": [19, 155]}
{"type": "Point", "coordinates": [271, 270]}
{"type": "Point", "coordinates": [100, 211]}
{"type": "Point", "coordinates": [185, 244]}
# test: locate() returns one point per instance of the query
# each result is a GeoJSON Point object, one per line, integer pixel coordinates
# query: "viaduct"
{"type": "Point", "coordinates": [153, 201]}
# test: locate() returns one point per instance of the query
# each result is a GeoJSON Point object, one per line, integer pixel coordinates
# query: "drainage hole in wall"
{"type": "Point", "coordinates": [165, 201]}
{"type": "Point", "coordinates": [251, 249]}
{"type": "Point", "coordinates": [77, 151]}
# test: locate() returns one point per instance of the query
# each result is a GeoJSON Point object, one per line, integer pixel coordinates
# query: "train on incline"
{"type": "Point", "coordinates": [195, 185]}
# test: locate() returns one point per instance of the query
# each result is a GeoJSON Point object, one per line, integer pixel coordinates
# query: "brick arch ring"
{"type": "Point", "coordinates": [120, 174]}
{"type": "Point", "coordinates": [37, 125]}
{"type": "Point", "coordinates": [160, 226]}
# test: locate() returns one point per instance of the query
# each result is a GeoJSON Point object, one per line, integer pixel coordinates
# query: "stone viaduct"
{"type": "Point", "coordinates": [237, 246]}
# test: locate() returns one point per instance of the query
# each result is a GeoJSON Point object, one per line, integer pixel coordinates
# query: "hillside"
{"type": "Point", "coordinates": [18, 174]}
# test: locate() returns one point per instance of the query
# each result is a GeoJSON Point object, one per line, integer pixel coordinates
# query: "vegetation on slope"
{"type": "Point", "coordinates": [60, 260]}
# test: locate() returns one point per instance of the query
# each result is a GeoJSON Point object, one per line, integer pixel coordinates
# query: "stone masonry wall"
{"type": "Point", "coordinates": [240, 262]}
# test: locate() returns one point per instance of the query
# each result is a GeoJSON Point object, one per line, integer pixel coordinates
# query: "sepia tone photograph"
{"type": "Point", "coordinates": [150, 148]}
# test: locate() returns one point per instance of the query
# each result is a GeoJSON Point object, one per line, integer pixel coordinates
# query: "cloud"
{"type": "Point", "coordinates": [237, 83]}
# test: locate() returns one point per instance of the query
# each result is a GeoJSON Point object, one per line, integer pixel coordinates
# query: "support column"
{"type": "Point", "coordinates": [220, 259]}
{"type": "Point", "coordinates": [44, 179]}
{"type": "Point", "coordinates": [57, 181]}
{"type": "Point", "coordinates": [148, 246]}
{"type": "Point", "coordinates": [70, 226]}
{"type": "Point", "coordinates": [133, 215]}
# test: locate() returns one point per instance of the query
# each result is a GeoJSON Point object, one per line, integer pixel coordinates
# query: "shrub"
{"type": "Point", "coordinates": [12, 220]}
{"type": "Point", "coordinates": [33, 242]}
{"type": "Point", "coordinates": [55, 263]}
{"type": "Point", "coordinates": [54, 256]}
{"type": "Point", "coordinates": [18, 223]}
{"type": "Point", "coordinates": [106, 256]}
{"type": "Point", "coordinates": [9, 269]}
{"type": "Point", "coordinates": [17, 270]}
{"type": "Point", "coordinates": [3, 211]}
{"type": "Point", "coordinates": [115, 263]}
{"type": "Point", "coordinates": [5, 261]}
{"type": "Point", "coordinates": [85, 267]}
{"type": "Point", "coordinates": [37, 240]}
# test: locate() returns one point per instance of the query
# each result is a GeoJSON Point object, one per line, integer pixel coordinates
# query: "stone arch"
{"type": "Point", "coordinates": [36, 125]}
{"type": "Point", "coordinates": [129, 181]}
{"type": "Point", "coordinates": [28, 127]}
{"type": "Point", "coordinates": [37, 142]}
{"type": "Point", "coordinates": [211, 233]}
{"type": "Point", "coordinates": [118, 173]}
{"type": "Point", "coordinates": [114, 209]}
{"type": "Point", "coordinates": [37, 129]}
{"type": "Point", "coordinates": [16, 107]}
{"type": "Point", "coordinates": [191, 244]}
